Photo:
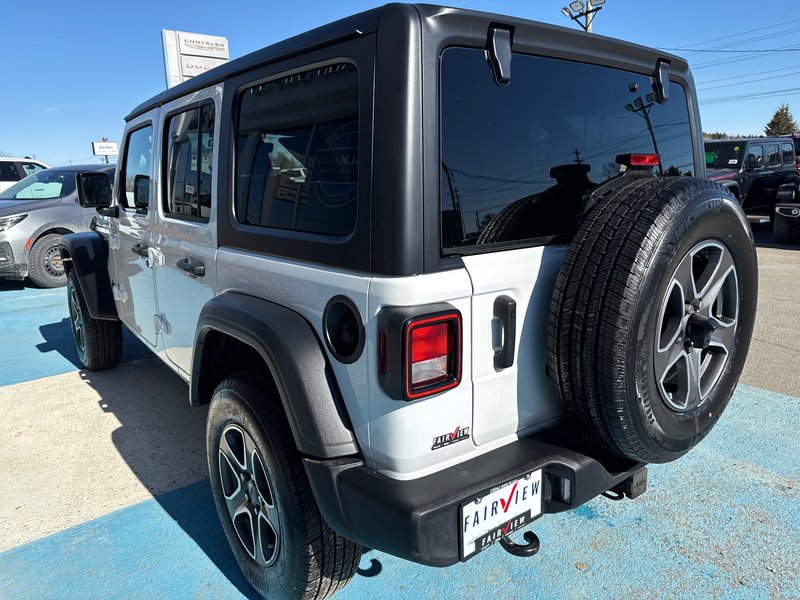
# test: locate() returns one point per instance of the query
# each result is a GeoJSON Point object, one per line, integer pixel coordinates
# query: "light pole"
{"type": "Point", "coordinates": [639, 107]}
{"type": "Point", "coordinates": [577, 10]}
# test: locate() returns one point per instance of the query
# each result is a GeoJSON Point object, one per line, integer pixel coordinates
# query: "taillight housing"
{"type": "Point", "coordinates": [638, 160]}
{"type": "Point", "coordinates": [419, 350]}
{"type": "Point", "coordinates": [797, 165]}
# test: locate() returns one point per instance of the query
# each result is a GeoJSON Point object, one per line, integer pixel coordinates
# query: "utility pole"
{"type": "Point", "coordinates": [578, 10]}
{"type": "Point", "coordinates": [639, 107]}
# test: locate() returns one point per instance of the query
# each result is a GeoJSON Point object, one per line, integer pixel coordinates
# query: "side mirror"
{"type": "Point", "coordinates": [141, 191]}
{"type": "Point", "coordinates": [751, 162]}
{"type": "Point", "coordinates": [94, 190]}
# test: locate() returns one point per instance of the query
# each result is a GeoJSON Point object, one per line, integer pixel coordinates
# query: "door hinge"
{"type": "Point", "coordinates": [120, 295]}
{"type": "Point", "coordinates": [162, 325]}
{"type": "Point", "coordinates": [155, 258]}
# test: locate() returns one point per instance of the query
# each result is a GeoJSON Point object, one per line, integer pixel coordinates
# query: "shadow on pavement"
{"type": "Point", "coordinates": [6, 285]}
{"type": "Point", "coordinates": [58, 338]}
{"type": "Point", "coordinates": [162, 439]}
{"type": "Point", "coordinates": [762, 232]}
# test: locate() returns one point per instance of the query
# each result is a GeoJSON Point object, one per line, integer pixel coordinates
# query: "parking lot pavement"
{"type": "Point", "coordinates": [774, 360]}
{"type": "Point", "coordinates": [105, 494]}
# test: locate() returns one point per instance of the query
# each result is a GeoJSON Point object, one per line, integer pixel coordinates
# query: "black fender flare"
{"type": "Point", "coordinates": [733, 188]}
{"type": "Point", "coordinates": [87, 254]}
{"type": "Point", "coordinates": [293, 354]}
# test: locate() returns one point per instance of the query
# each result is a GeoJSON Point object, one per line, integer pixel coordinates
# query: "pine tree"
{"type": "Point", "coordinates": [782, 122]}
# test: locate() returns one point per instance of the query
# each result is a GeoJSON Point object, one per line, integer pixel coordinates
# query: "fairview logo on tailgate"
{"type": "Point", "coordinates": [501, 512]}
{"type": "Point", "coordinates": [458, 435]}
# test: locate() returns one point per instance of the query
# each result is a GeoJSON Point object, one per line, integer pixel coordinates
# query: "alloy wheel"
{"type": "Point", "coordinates": [76, 319]}
{"type": "Point", "coordinates": [696, 326]}
{"type": "Point", "coordinates": [248, 495]}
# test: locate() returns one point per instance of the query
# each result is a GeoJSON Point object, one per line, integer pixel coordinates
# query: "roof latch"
{"type": "Point", "coordinates": [661, 81]}
{"type": "Point", "coordinates": [499, 50]}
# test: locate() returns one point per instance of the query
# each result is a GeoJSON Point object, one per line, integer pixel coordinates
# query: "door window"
{"type": "Point", "coordinates": [773, 156]}
{"type": "Point", "coordinates": [788, 154]}
{"type": "Point", "coordinates": [755, 156]}
{"type": "Point", "coordinates": [190, 144]}
{"type": "Point", "coordinates": [136, 169]}
{"type": "Point", "coordinates": [30, 168]}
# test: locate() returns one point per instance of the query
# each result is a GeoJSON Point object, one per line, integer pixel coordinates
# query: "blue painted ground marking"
{"type": "Point", "coordinates": [722, 522]}
{"type": "Point", "coordinates": [36, 335]}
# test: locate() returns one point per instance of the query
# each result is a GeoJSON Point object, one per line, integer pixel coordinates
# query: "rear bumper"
{"type": "Point", "coordinates": [791, 211]}
{"type": "Point", "coordinates": [419, 520]}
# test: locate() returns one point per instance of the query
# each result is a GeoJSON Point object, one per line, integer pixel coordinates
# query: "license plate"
{"type": "Point", "coordinates": [501, 511]}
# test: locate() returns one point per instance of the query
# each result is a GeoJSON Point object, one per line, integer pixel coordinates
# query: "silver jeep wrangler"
{"type": "Point", "coordinates": [437, 272]}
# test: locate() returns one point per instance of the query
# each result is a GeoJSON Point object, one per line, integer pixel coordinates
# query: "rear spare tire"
{"type": "Point", "coordinates": [652, 316]}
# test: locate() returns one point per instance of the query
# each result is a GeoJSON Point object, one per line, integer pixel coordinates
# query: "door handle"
{"type": "Point", "coordinates": [192, 265]}
{"type": "Point", "coordinates": [139, 248]}
{"type": "Point", "coordinates": [505, 311]}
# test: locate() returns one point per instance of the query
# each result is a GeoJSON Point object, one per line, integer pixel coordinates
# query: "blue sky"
{"type": "Point", "coordinates": [73, 70]}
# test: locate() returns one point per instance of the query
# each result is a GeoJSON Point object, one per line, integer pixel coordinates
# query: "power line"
{"type": "Point", "coordinates": [726, 61]}
{"type": "Point", "coordinates": [769, 94]}
{"type": "Point", "coordinates": [749, 31]}
{"type": "Point", "coordinates": [787, 49]}
{"type": "Point", "coordinates": [741, 41]}
{"type": "Point", "coordinates": [725, 85]}
{"type": "Point", "coordinates": [748, 75]}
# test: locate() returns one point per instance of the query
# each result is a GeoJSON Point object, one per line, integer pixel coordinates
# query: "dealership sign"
{"type": "Point", "coordinates": [105, 148]}
{"type": "Point", "coordinates": [189, 54]}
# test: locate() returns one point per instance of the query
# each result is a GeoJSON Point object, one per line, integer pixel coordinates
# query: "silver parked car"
{"type": "Point", "coordinates": [34, 213]}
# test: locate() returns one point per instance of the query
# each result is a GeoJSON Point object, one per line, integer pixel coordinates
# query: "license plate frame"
{"type": "Point", "coordinates": [514, 507]}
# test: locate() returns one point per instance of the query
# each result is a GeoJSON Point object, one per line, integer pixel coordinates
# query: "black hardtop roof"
{"type": "Point", "coordinates": [365, 23]}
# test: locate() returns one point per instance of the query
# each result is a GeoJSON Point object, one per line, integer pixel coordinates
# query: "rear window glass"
{"type": "Point", "coordinates": [297, 152]}
{"type": "Point", "coordinates": [517, 160]}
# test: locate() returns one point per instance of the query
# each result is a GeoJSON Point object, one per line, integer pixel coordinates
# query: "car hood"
{"type": "Point", "coordinates": [717, 174]}
{"type": "Point", "coordinates": [16, 207]}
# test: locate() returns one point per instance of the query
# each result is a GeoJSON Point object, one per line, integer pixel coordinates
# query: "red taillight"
{"type": "Point", "coordinates": [645, 160]}
{"type": "Point", "coordinates": [433, 354]}
{"type": "Point", "coordinates": [797, 165]}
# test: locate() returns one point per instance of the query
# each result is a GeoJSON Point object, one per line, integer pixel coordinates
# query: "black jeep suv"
{"type": "Point", "coordinates": [753, 169]}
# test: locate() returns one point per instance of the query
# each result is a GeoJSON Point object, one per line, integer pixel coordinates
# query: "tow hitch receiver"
{"type": "Point", "coordinates": [632, 487]}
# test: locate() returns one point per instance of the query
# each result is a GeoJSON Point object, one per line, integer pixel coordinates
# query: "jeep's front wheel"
{"type": "Point", "coordinates": [652, 316]}
{"type": "Point", "coordinates": [265, 503]}
{"type": "Point", "coordinates": [98, 342]}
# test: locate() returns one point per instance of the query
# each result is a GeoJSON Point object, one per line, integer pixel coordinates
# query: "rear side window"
{"type": "Point", "coordinates": [190, 143]}
{"type": "Point", "coordinates": [773, 156]}
{"type": "Point", "coordinates": [518, 159]}
{"type": "Point", "coordinates": [8, 171]}
{"type": "Point", "coordinates": [297, 152]}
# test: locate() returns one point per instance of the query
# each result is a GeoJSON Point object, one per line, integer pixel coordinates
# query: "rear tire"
{"type": "Point", "coordinates": [786, 230]}
{"type": "Point", "coordinates": [652, 315]}
{"type": "Point", "coordinates": [98, 342]}
{"type": "Point", "coordinates": [257, 477]}
{"type": "Point", "coordinates": [45, 268]}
